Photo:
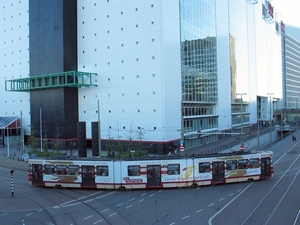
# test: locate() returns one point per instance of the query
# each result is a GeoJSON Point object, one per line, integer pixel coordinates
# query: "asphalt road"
{"type": "Point", "coordinates": [274, 201]}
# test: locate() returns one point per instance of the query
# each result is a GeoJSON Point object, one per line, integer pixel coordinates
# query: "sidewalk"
{"type": "Point", "coordinates": [227, 144]}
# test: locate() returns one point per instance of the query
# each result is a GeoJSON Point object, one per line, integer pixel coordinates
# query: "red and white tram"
{"type": "Point", "coordinates": [159, 172]}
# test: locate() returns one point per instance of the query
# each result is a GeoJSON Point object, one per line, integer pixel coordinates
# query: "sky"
{"type": "Point", "coordinates": [289, 10]}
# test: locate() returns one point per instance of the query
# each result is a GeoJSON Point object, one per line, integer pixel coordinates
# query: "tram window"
{"type": "Point", "coordinates": [73, 169]}
{"type": "Point", "coordinates": [173, 169]}
{"type": "Point", "coordinates": [134, 171]}
{"type": "Point", "coordinates": [231, 164]}
{"type": "Point", "coordinates": [204, 167]}
{"type": "Point", "coordinates": [61, 169]}
{"type": "Point", "coordinates": [49, 169]}
{"type": "Point", "coordinates": [242, 164]}
{"type": "Point", "coordinates": [102, 170]}
{"type": "Point", "coordinates": [253, 163]}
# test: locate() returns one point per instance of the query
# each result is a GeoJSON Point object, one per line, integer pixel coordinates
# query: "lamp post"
{"type": "Point", "coordinates": [270, 94]}
{"type": "Point", "coordinates": [242, 139]}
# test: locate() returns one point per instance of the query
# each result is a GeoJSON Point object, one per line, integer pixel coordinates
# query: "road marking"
{"type": "Point", "coordinates": [296, 218]}
{"type": "Point", "coordinates": [211, 218]}
{"type": "Point", "coordinates": [211, 204]}
{"type": "Point", "coordinates": [75, 203]}
{"type": "Point", "coordinates": [82, 197]}
{"type": "Point", "coordinates": [95, 193]}
{"type": "Point", "coordinates": [68, 202]}
{"type": "Point", "coordinates": [98, 221]}
{"type": "Point", "coordinates": [40, 210]}
{"type": "Point", "coordinates": [151, 195]}
{"type": "Point", "coordinates": [239, 190]}
{"type": "Point", "coordinates": [141, 200]}
{"type": "Point", "coordinates": [131, 199]}
{"type": "Point", "coordinates": [29, 214]}
{"type": "Point", "coordinates": [4, 214]}
{"type": "Point", "coordinates": [104, 210]}
{"type": "Point", "coordinates": [172, 223]}
{"type": "Point", "coordinates": [160, 191]}
{"type": "Point", "coordinates": [266, 195]}
{"type": "Point", "coordinates": [231, 194]}
{"type": "Point", "coordinates": [185, 217]}
{"type": "Point", "coordinates": [119, 204]}
{"type": "Point", "coordinates": [129, 206]}
{"type": "Point", "coordinates": [112, 214]}
{"type": "Point", "coordinates": [143, 194]}
{"type": "Point", "coordinates": [85, 218]}
{"type": "Point", "coordinates": [221, 199]}
{"type": "Point", "coordinates": [199, 210]}
{"type": "Point", "coordinates": [102, 196]}
{"type": "Point", "coordinates": [88, 200]}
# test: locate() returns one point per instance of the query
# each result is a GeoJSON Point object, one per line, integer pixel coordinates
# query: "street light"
{"type": "Point", "coordinates": [270, 94]}
{"type": "Point", "coordinates": [242, 140]}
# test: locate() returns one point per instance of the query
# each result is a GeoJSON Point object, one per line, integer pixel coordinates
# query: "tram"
{"type": "Point", "coordinates": [152, 172]}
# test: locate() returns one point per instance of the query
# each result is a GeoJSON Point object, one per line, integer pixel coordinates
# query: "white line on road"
{"type": "Point", "coordinates": [151, 195]}
{"type": "Point", "coordinates": [221, 199]}
{"type": "Point", "coordinates": [82, 197]}
{"type": "Point", "coordinates": [119, 204]}
{"type": "Point", "coordinates": [231, 194]}
{"type": "Point", "coordinates": [112, 214]}
{"type": "Point", "coordinates": [141, 200]}
{"type": "Point", "coordinates": [4, 214]}
{"type": "Point", "coordinates": [199, 210]}
{"type": "Point", "coordinates": [185, 217]}
{"type": "Point", "coordinates": [102, 196]}
{"type": "Point", "coordinates": [85, 218]}
{"type": "Point", "coordinates": [98, 221]}
{"type": "Point", "coordinates": [95, 193]}
{"type": "Point", "coordinates": [131, 199]}
{"type": "Point", "coordinates": [211, 218]}
{"type": "Point", "coordinates": [104, 210]}
{"type": "Point", "coordinates": [129, 206]}
{"type": "Point", "coordinates": [211, 204]}
{"type": "Point", "coordinates": [68, 202]}
{"type": "Point", "coordinates": [296, 218]}
{"type": "Point", "coordinates": [29, 214]}
{"type": "Point", "coordinates": [143, 194]}
{"type": "Point", "coordinates": [88, 200]}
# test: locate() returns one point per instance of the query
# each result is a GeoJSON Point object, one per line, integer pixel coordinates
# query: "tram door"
{"type": "Point", "coordinates": [37, 174]}
{"type": "Point", "coordinates": [265, 167]}
{"type": "Point", "coordinates": [153, 176]}
{"type": "Point", "coordinates": [218, 173]}
{"type": "Point", "coordinates": [88, 176]}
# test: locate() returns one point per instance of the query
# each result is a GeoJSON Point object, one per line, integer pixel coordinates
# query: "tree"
{"type": "Point", "coordinates": [32, 140]}
{"type": "Point", "coordinates": [140, 137]}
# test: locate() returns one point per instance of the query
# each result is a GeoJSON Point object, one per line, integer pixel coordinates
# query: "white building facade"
{"type": "Point", "coordinates": [166, 70]}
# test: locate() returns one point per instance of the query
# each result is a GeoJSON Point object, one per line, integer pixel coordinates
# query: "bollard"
{"type": "Point", "coordinates": [12, 182]}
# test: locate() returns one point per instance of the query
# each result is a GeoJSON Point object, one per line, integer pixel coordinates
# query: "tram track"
{"type": "Point", "coordinates": [90, 198]}
{"type": "Point", "coordinates": [254, 211]}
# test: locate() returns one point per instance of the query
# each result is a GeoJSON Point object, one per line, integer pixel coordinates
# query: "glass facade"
{"type": "Point", "coordinates": [198, 69]}
{"type": "Point", "coordinates": [239, 60]}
